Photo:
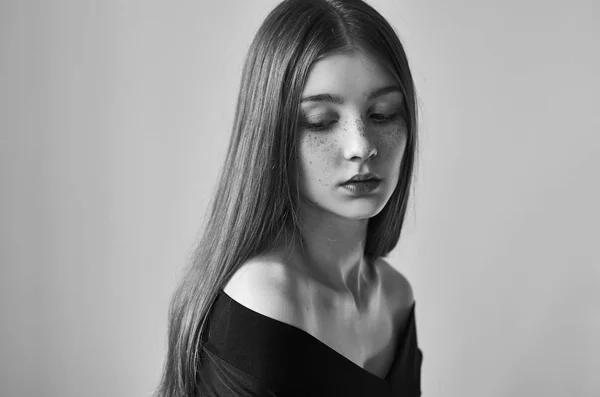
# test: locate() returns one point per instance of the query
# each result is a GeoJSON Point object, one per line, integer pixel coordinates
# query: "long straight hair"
{"type": "Point", "coordinates": [255, 202]}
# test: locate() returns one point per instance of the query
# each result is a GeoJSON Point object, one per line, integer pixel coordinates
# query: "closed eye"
{"type": "Point", "coordinates": [380, 118]}
{"type": "Point", "coordinates": [319, 126]}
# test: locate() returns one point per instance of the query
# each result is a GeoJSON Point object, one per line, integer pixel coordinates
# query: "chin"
{"type": "Point", "coordinates": [361, 210]}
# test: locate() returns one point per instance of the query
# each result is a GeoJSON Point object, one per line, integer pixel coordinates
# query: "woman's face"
{"type": "Point", "coordinates": [352, 122]}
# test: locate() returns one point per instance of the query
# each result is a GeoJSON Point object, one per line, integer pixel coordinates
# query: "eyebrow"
{"type": "Point", "coordinates": [339, 100]}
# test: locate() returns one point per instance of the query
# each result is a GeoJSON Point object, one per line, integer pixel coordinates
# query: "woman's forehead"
{"type": "Point", "coordinates": [353, 75]}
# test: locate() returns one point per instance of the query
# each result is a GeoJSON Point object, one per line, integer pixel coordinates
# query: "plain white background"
{"type": "Point", "coordinates": [115, 117]}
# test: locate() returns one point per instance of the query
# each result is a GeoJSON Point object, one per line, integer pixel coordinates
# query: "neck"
{"type": "Point", "coordinates": [331, 249]}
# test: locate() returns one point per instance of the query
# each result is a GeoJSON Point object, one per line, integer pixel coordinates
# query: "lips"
{"type": "Point", "coordinates": [362, 178]}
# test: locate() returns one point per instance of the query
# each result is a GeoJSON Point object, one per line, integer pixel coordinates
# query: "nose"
{"type": "Point", "coordinates": [358, 145]}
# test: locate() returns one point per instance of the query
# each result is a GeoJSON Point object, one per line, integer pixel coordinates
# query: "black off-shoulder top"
{"type": "Point", "coordinates": [245, 353]}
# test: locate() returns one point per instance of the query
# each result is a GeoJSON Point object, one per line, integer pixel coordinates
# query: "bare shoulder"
{"type": "Point", "coordinates": [267, 286]}
{"type": "Point", "coordinates": [396, 284]}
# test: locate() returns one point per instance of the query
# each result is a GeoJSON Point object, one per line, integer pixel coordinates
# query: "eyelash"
{"type": "Point", "coordinates": [383, 120]}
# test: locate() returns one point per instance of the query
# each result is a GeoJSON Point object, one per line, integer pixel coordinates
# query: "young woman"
{"type": "Point", "coordinates": [288, 293]}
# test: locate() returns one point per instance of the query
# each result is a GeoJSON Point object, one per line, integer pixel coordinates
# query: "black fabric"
{"type": "Point", "coordinates": [245, 353]}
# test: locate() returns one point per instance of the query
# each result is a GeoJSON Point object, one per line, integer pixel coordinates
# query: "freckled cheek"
{"type": "Point", "coordinates": [317, 159]}
{"type": "Point", "coordinates": [393, 141]}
